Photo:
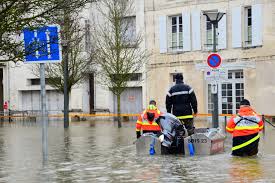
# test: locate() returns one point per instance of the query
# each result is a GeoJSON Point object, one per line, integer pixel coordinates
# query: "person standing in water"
{"type": "Point", "coordinates": [146, 122]}
{"type": "Point", "coordinates": [245, 128]}
{"type": "Point", "coordinates": [181, 101]}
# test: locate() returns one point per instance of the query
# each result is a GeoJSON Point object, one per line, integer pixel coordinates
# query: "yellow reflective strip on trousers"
{"type": "Point", "coordinates": [185, 117]}
{"type": "Point", "coordinates": [246, 143]}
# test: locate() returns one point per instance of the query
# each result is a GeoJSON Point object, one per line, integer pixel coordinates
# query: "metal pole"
{"type": "Point", "coordinates": [225, 123]}
{"type": "Point", "coordinates": [43, 112]}
{"type": "Point", "coordinates": [215, 112]}
{"type": "Point", "coordinates": [9, 89]}
{"type": "Point", "coordinates": [66, 95]}
{"type": "Point", "coordinates": [263, 119]}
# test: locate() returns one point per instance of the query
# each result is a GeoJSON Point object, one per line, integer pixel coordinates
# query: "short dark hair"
{"type": "Point", "coordinates": [245, 102]}
{"type": "Point", "coordinates": [152, 102]}
{"type": "Point", "coordinates": [179, 76]}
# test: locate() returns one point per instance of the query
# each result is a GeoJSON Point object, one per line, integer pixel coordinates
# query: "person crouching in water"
{"type": "Point", "coordinates": [245, 128]}
{"type": "Point", "coordinates": [173, 134]}
{"type": "Point", "coordinates": [146, 122]}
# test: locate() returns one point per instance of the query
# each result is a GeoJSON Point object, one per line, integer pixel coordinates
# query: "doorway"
{"type": "Point", "coordinates": [130, 101]}
{"type": "Point", "coordinates": [230, 93]}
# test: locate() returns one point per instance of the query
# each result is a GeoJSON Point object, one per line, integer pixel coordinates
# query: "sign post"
{"type": "Point", "coordinates": [42, 46]}
{"type": "Point", "coordinates": [214, 61]}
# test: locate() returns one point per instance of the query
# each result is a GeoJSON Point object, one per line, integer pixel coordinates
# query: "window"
{"type": "Point", "coordinates": [209, 100]}
{"type": "Point", "coordinates": [135, 77]}
{"type": "Point", "coordinates": [87, 36]}
{"type": "Point", "coordinates": [227, 98]}
{"type": "Point", "coordinates": [129, 29]}
{"type": "Point", "coordinates": [36, 81]}
{"type": "Point", "coordinates": [230, 93]}
{"type": "Point", "coordinates": [248, 26]}
{"type": "Point", "coordinates": [176, 33]}
{"type": "Point", "coordinates": [209, 34]}
{"type": "Point", "coordinates": [128, 77]}
{"type": "Point", "coordinates": [239, 89]}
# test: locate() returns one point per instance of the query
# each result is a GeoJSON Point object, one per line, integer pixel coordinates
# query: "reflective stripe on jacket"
{"type": "Point", "coordinates": [247, 122]}
{"type": "Point", "coordinates": [145, 125]}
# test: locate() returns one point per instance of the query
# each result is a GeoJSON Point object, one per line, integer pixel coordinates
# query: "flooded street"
{"type": "Point", "coordinates": [100, 152]}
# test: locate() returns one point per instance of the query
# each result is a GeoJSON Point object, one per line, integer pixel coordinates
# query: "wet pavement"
{"type": "Point", "coordinates": [100, 152]}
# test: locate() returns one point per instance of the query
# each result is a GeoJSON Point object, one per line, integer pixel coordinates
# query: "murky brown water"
{"type": "Point", "coordinates": [99, 152]}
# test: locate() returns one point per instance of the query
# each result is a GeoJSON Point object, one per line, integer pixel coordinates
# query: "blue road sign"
{"type": "Point", "coordinates": [42, 45]}
{"type": "Point", "coordinates": [214, 60]}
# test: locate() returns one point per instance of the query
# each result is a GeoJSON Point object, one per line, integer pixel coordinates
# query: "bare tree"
{"type": "Point", "coordinates": [79, 62]}
{"type": "Point", "coordinates": [15, 15]}
{"type": "Point", "coordinates": [117, 49]}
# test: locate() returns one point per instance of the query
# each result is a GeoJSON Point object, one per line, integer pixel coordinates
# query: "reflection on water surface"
{"type": "Point", "coordinates": [100, 152]}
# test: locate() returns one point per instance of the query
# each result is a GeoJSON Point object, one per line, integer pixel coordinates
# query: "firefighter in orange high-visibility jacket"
{"type": "Point", "coordinates": [245, 128]}
{"type": "Point", "coordinates": [146, 122]}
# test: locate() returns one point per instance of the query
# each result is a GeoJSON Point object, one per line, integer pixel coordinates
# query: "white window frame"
{"type": "Point", "coordinates": [87, 36]}
{"type": "Point", "coordinates": [247, 42]}
{"type": "Point", "coordinates": [178, 46]}
{"type": "Point", "coordinates": [129, 22]}
{"type": "Point", "coordinates": [232, 81]}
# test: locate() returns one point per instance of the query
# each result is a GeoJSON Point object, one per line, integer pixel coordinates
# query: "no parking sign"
{"type": "Point", "coordinates": [214, 60]}
{"type": "Point", "coordinates": [215, 72]}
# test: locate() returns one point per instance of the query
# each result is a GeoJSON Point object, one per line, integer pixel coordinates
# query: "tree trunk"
{"type": "Point", "coordinates": [118, 112]}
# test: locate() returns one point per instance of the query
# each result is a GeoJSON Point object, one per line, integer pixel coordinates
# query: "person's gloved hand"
{"type": "Point", "coordinates": [161, 138]}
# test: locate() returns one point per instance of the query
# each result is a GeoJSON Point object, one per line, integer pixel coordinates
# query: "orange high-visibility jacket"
{"type": "Point", "coordinates": [145, 125]}
{"type": "Point", "coordinates": [246, 122]}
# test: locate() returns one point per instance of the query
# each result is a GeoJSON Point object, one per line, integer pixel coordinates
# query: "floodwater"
{"type": "Point", "coordinates": [100, 152]}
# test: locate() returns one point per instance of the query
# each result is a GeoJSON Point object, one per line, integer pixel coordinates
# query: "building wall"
{"type": "Point", "coordinates": [104, 99]}
{"type": "Point", "coordinates": [18, 85]}
{"type": "Point", "coordinates": [17, 78]}
{"type": "Point", "coordinates": [257, 62]}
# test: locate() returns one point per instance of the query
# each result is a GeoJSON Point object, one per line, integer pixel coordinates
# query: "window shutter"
{"type": "Point", "coordinates": [222, 39]}
{"type": "Point", "coordinates": [196, 30]}
{"type": "Point", "coordinates": [257, 25]}
{"type": "Point", "coordinates": [186, 31]}
{"type": "Point", "coordinates": [236, 27]}
{"type": "Point", "coordinates": [162, 34]}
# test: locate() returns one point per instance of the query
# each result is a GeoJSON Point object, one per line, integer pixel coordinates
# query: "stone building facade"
{"type": "Point", "coordinates": [180, 38]}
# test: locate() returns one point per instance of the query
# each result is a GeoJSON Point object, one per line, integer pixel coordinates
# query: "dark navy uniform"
{"type": "Point", "coordinates": [181, 101]}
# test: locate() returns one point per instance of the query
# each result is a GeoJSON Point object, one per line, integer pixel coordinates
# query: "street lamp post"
{"type": "Point", "coordinates": [214, 17]}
